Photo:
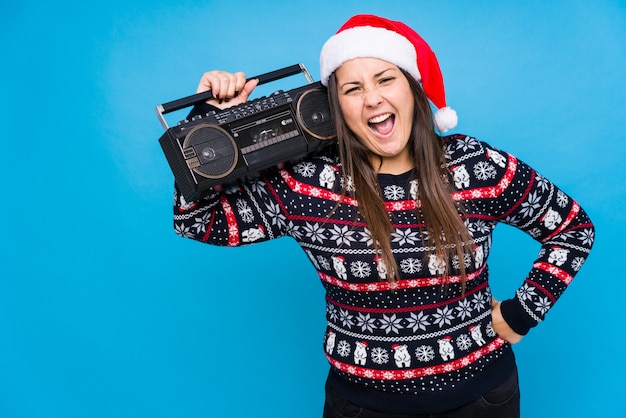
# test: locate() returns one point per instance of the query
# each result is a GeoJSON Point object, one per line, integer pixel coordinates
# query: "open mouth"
{"type": "Point", "coordinates": [382, 124]}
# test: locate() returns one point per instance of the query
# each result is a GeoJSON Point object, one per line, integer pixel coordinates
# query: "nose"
{"type": "Point", "coordinates": [372, 97]}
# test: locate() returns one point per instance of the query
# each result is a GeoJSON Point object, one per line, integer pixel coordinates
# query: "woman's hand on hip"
{"type": "Point", "coordinates": [500, 326]}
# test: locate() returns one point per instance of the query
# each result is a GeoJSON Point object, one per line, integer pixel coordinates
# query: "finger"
{"type": "Point", "coordinates": [239, 81]}
{"type": "Point", "coordinates": [216, 81]}
{"type": "Point", "coordinates": [210, 81]}
{"type": "Point", "coordinates": [248, 88]}
{"type": "Point", "coordinates": [205, 83]}
{"type": "Point", "coordinates": [228, 83]}
{"type": "Point", "coordinates": [222, 84]}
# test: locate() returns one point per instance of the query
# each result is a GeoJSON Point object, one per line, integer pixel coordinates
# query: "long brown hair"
{"type": "Point", "coordinates": [447, 234]}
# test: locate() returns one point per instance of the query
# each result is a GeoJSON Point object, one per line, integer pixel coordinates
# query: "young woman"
{"type": "Point", "coordinates": [398, 221]}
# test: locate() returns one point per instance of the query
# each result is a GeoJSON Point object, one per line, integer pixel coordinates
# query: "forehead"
{"type": "Point", "coordinates": [365, 67]}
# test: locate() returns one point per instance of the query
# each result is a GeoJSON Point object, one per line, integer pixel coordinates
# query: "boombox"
{"type": "Point", "coordinates": [225, 147]}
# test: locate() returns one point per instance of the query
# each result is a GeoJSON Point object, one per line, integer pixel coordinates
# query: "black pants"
{"type": "Point", "coordinates": [502, 402]}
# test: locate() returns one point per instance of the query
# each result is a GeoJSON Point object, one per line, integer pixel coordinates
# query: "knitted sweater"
{"type": "Point", "coordinates": [418, 345]}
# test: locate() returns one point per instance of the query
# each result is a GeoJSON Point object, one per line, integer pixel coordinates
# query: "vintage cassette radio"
{"type": "Point", "coordinates": [225, 147]}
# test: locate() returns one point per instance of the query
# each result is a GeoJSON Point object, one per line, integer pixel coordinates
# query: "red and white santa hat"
{"type": "Point", "coordinates": [369, 36]}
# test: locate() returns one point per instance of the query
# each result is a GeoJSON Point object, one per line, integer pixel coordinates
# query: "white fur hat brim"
{"type": "Point", "coordinates": [367, 42]}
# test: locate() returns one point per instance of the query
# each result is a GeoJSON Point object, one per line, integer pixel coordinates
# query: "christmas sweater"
{"type": "Point", "coordinates": [418, 344]}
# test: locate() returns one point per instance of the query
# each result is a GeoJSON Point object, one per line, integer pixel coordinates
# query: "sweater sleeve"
{"type": "Point", "coordinates": [239, 215]}
{"type": "Point", "coordinates": [519, 196]}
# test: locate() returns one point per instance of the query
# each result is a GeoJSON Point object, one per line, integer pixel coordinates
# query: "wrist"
{"type": "Point", "coordinates": [500, 325]}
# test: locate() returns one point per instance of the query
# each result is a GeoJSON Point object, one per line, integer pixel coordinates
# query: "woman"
{"type": "Point", "coordinates": [398, 223]}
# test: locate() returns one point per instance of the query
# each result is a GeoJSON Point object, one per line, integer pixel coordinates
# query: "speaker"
{"type": "Point", "coordinates": [210, 151]}
{"type": "Point", "coordinates": [314, 114]}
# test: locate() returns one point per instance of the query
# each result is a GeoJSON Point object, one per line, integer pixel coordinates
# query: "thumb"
{"type": "Point", "coordinates": [248, 88]}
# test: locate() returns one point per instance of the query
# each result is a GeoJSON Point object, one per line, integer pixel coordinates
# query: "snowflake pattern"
{"type": "Point", "coordinates": [561, 199]}
{"type": "Point", "coordinates": [314, 232]}
{"type": "Point", "coordinates": [405, 236]}
{"type": "Point", "coordinates": [345, 317]}
{"type": "Point", "coordinates": [305, 169]}
{"type": "Point", "coordinates": [480, 227]}
{"type": "Point", "coordinates": [348, 184]}
{"type": "Point", "coordinates": [577, 263]}
{"type": "Point", "coordinates": [484, 171]}
{"type": "Point", "coordinates": [467, 260]}
{"type": "Point", "coordinates": [478, 300]}
{"type": "Point", "coordinates": [201, 223]}
{"type": "Point", "coordinates": [424, 353]}
{"type": "Point", "coordinates": [183, 230]}
{"type": "Point", "coordinates": [293, 230]}
{"type": "Point", "coordinates": [245, 211]}
{"type": "Point", "coordinates": [276, 215]}
{"type": "Point", "coordinates": [343, 348]}
{"type": "Point", "coordinates": [530, 205]}
{"type": "Point", "coordinates": [448, 152]}
{"type": "Point", "coordinates": [543, 305]}
{"type": "Point", "coordinates": [366, 237]}
{"type": "Point", "coordinates": [526, 292]}
{"type": "Point", "coordinates": [379, 355]}
{"type": "Point", "coordinates": [587, 237]}
{"type": "Point", "coordinates": [332, 313]}
{"type": "Point", "coordinates": [417, 321]}
{"type": "Point", "coordinates": [342, 235]}
{"type": "Point", "coordinates": [464, 342]}
{"type": "Point", "coordinates": [410, 265]}
{"type": "Point", "coordinates": [466, 144]}
{"type": "Point", "coordinates": [366, 322]}
{"type": "Point", "coordinates": [464, 309]}
{"type": "Point", "coordinates": [444, 316]}
{"type": "Point", "coordinates": [394, 192]}
{"type": "Point", "coordinates": [323, 262]}
{"type": "Point", "coordinates": [542, 183]}
{"type": "Point", "coordinates": [360, 269]}
{"type": "Point", "coordinates": [391, 323]}
{"type": "Point", "coordinates": [259, 187]}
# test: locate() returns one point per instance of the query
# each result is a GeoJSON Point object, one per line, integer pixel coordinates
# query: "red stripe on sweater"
{"type": "Point", "coordinates": [313, 191]}
{"type": "Point", "coordinates": [493, 191]}
{"type": "Point", "coordinates": [562, 275]}
{"type": "Point", "coordinates": [415, 373]}
{"type": "Point", "coordinates": [231, 221]}
{"type": "Point", "coordinates": [382, 286]}
{"type": "Point", "coordinates": [209, 228]}
{"type": "Point", "coordinates": [402, 205]}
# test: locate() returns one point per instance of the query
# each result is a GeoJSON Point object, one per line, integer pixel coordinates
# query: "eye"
{"type": "Point", "coordinates": [351, 90]}
{"type": "Point", "coordinates": [386, 80]}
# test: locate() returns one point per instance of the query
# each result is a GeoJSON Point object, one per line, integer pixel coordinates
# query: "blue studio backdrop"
{"type": "Point", "coordinates": [105, 312]}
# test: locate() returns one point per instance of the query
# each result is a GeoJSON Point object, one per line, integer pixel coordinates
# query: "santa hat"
{"type": "Point", "coordinates": [376, 37]}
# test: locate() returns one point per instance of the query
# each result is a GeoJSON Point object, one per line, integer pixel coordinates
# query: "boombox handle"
{"type": "Point", "coordinates": [174, 105]}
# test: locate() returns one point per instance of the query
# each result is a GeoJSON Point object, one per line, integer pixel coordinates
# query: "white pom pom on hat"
{"type": "Point", "coordinates": [370, 36]}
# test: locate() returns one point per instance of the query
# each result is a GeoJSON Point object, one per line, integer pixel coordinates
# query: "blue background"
{"type": "Point", "coordinates": [105, 312]}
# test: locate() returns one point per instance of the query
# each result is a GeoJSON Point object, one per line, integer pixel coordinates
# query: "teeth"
{"type": "Point", "coordinates": [380, 118]}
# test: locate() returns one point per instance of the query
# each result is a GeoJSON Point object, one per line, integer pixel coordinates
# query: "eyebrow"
{"type": "Point", "coordinates": [375, 76]}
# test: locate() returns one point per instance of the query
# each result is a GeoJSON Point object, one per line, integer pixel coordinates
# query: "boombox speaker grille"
{"type": "Point", "coordinates": [213, 150]}
{"type": "Point", "coordinates": [314, 114]}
